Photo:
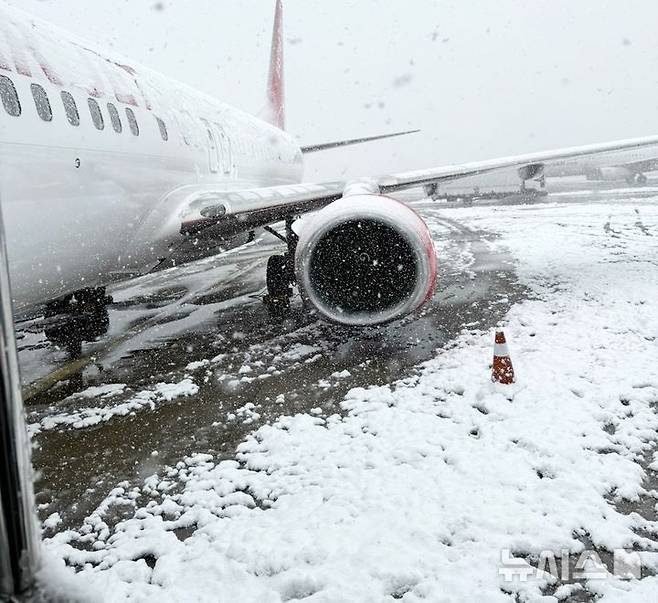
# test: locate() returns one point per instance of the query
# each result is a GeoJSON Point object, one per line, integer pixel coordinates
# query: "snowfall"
{"type": "Point", "coordinates": [443, 486]}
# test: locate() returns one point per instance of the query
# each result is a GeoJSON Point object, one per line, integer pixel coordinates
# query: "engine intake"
{"type": "Point", "coordinates": [365, 260]}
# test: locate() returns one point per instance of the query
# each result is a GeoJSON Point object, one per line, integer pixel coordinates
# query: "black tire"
{"type": "Point", "coordinates": [277, 277]}
{"type": "Point", "coordinates": [58, 306]}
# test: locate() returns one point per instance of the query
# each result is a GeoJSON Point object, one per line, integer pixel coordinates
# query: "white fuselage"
{"type": "Point", "coordinates": [83, 206]}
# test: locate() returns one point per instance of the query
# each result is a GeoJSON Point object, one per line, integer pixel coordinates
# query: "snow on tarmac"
{"type": "Point", "coordinates": [421, 487]}
{"type": "Point", "coordinates": [86, 417]}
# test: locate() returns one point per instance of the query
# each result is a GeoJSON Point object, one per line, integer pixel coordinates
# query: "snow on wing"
{"type": "Point", "coordinates": [204, 206]}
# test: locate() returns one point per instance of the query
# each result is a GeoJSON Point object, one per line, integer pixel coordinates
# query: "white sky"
{"type": "Point", "coordinates": [480, 78]}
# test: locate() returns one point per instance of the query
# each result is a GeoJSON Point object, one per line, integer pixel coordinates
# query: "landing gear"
{"type": "Point", "coordinates": [278, 282]}
{"type": "Point", "coordinates": [280, 275]}
{"type": "Point", "coordinates": [531, 192]}
{"type": "Point", "coordinates": [432, 191]}
{"type": "Point", "coordinates": [89, 300]}
{"type": "Point", "coordinates": [76, 318]}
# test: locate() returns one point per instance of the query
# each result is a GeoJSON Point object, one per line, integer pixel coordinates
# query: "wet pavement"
{"type": "Point", "coordinates": [197, 364]}
{"type": "Point", "coordinates": [203, 328]}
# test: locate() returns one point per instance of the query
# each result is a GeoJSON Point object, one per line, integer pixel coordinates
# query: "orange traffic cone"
{"type": "Point", "coordinates": [503, 371]}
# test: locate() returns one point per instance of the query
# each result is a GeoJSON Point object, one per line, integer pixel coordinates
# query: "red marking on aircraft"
{"type": "Point", "coordinates": [39, 57]}
{"type": "Point", "coordinates": [51, 75]}
{"type": "Point", "coordinates": [275, 79]}
{"type": "Point", "coordinates": [17, 51]}
{"type": "Point", "coordinates": [20, 60]}
{"type": "Point", "coordinates": [126, 99]}
{"type": "Point", "coordinates": [118, 80]}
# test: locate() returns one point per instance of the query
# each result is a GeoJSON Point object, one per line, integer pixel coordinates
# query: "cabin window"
{"type": "Point", "coordinates": [163, 129]}
{"type": "Point", "coordinates": [41, 102]}
{"type": "Point", "coordinates": [71, 109]}
{"type": "Point", "coordinates": [9, 97]}
{"type": "Point", "coordinates": [114, 118]}
{"type": "Point", "coordinates": [132, 121]}
{"type": "Point", "coordinates": [96, 115]}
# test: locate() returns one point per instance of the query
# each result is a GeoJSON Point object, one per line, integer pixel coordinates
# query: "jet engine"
{"type": "Point", "coordinates": [530, 171]}
{"type": "Point", "coordinates": [365, 259]}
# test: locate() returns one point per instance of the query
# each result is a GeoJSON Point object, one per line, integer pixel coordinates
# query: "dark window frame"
{"type": "Point", "coordinates": [213, 149]}
{"type": "Point", "coordinates": [9, 93]}
{"type": "Point", "coordinates": [132, 121]}
{"type": "Point", "coordinates": [41, 102]}
{"type": "Point", "coordinates": [96, 114]}
{"type": "Point", "coordinates": [162, 126]}
{"type": "Point", "coordinates": [70, 108]}
{"type": "Point", "coordinates": [114, 118]}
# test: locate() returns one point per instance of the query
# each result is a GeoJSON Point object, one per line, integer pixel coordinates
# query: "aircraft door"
{"type": "Point", "coordinates": [226, 160]}
{"type": "Point", "coordinates": [213, 150]}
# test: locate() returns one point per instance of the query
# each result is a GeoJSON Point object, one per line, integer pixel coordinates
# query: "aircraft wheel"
{"type": "Point", "coordinates": [89, 300]}
{"type": "Point", "coordinates": [641, 179]}
{"type": "Point", "coordinates": [93, 299]}
{"type": "Point", "coordinates": [278, 278]}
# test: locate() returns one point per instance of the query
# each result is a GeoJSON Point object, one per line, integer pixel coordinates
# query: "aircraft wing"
{"type": "Point", "coordinates": [242, 210]}
{"type": "Point", "coordinates": [237, 211]}
{"type": "Point", "coordinates": [443, 174]}
{"type": "Point", "coordinates": [343, 143]}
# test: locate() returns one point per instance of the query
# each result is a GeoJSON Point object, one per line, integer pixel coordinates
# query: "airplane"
{"type": "Point", "coordinates": [109, 170]}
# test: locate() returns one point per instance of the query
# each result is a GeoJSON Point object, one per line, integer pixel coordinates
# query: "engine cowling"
{"type": "Point", "coordinates": [365, 259]}
{"type": "Point", "coordinates": [530, 171]}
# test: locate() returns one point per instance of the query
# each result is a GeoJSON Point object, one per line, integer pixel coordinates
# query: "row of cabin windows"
{"type": "Point", "coordinates": [12, 106]}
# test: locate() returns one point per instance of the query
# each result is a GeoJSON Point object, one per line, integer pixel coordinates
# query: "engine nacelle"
{"type": "Point", "coordinates": [530, 171]}
{"type": "Point", "coordinates": [365, 259]}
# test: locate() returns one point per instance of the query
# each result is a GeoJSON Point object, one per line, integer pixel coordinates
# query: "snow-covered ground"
{"type": "Point", "coordinates": [86, 417]}
{"type": "Point", "coordinates": [431, 488]}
